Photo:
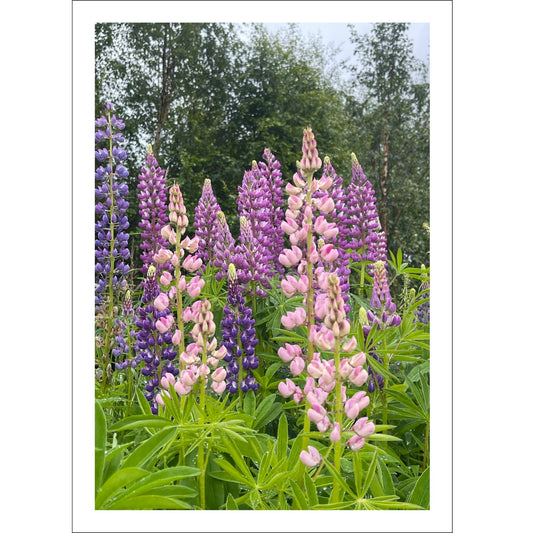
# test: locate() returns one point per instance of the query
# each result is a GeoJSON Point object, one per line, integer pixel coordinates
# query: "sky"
{"type": "Point", "coordinates": [339, 33]}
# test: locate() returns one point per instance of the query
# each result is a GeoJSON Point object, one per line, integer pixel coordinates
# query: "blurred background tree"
{"type": "Point", "coordinates": [211, 97]}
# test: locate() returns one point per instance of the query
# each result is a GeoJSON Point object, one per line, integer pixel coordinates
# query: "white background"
{"type": "Point", "coordinates": [492, 191]}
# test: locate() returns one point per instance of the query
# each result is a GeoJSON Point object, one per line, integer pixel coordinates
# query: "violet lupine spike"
{"type": "Point", "coordinates": [154, 342]}
{"type": "Point", "coordinates": [271, 170]}
{"type": "Point", "coordinates": [361, 215]}
{"type": "Point", "coordinates": [224, 247]}
{"type": "Point", "coordinates": [204, 222]}
{"type": "Point", "coordinates": [153, 211]}
{"type": "Point", "coordinates": [384, 309]}
{"type": "Point", "coordinates": [422, 311]}
{"type": "Point", "coordinates": [239, 338]}
{"type": "Point", "coordinates": [251, 260]}
{"type": "Point", "coordinates": [110, 209]}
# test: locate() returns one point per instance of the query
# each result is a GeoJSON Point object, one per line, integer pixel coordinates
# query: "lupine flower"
{"type": "Point", "coordinates": [239, 339]}
{"type": "Point", "coordinates": [251, 260]}
{"type": "Point", "coordinates": [154, 338]}
{"type": "Point", "coordinates": [152, 209]}
{"type": "Point", "coordinates": [381, 299]}
{"type": "Point", "coordinates": [361, 216]}
{"type": "Point", "coordinates": [311, 457]}
{"type": "Point", "coordinates": [224, 247]}
{"type": "Point", "coordinates": [121, 350]}
{"type": "Point", "coordinates": [422, 312]}
{"type": "Point", "coordinates": [205, 221]}
{"type": "Point", "coordinates": [111, 243]}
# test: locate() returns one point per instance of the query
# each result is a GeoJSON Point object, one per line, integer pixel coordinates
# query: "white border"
{"type": "Point", "coordinates": [85, 15]}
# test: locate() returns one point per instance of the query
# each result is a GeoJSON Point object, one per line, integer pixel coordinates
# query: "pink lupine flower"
{"type": "Point", "coordinates": [162, 256]}
{"type": "Point", "coordinates": [358, 359]}
{"type": "Point", "coordinates": [351, 408]}
{"type": "Point", "coordinates": [324, 228]}
{"type": "Point", "coordinates": [161, 302]}
{"type": "Point", "coordinates": [350, 345]}
{"type": "Point", "coordinates": [317, 395]}
{"type": "Point", "coordinates": [317, 413]}
{"type": "Point", "coordinates": [195, 286]}
{"type": "Point", "coordinates": [315, 368]}
{"type": "Point", "coordinates": [297, 366]}
{"type": "Point", "coordinates": [295, 202]}
{"type": "Point", "coordinates": [168, 380]}
{"type": "Point", "coordinates": [189, 376]}
{"type": "Point", "coordinates": [325, 204]}
{"type": "Point", "coordinates": [289, 226]}
{"type": "Point", "coordinates": [289, 352]}
{"type": "Point", "coordinates": [169, 234]}
{"type": "Point", "coordinates": [298, 395]}
{"type": "Point", "coordinates": [363, 428]}
{"type": "Point", "coordinates": [362, 399]}
{"type": "Point", "coordinates": [311, 457]}
{"type": "Point", "coordinates": [286, 389]}
{"type": "Point", "coordinates": [181, 388]}
{"type": "Point", "coordinates": [219, 374]}
{"type": "Point", "coordinates": [359, 376]}
{"type": "Point", "coordinates": [345, 369]}
{"type": "Point", "coordinates": [164, 323]}
{"type": "Point", "coordinates": [176, 338]}
{"type": "Point", "coordinates": [325, 182]}
{"type": "Point", "coordinates": [329, 253]}
{"type": "Point", "coordinates": [165, 279]}
{"type": "Point", "coordinates": [356, 443]}
{"type": "Point", "coordinates": [203, 371]}
{"type": "Point", "coordinates": [192, 263]}
{"type": "Point", "coordinates": [294, 318]}
{"type": "Point", "coordinates": [335, 434]}
{"type": "Point", "coordinates": [159, 400]}
{"type": "Point", "coordinates": [218, 387]}
{"type": "Point", "coordinates": [290, 257]}
{"type": "Point", "coordinates": [292, 190]}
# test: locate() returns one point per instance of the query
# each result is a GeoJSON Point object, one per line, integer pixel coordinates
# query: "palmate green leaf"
{"type": "Point", "coordinates": [100, 439]}
{"type": "Point", "coordinates": [231, 504]}
{"type": "Point", "coordinates": [370, 473]}
{"type": "Point", "coordinates": [141, 421]}
{"type": "Point", "coordinates": [299, 501]}
{"type": "Point", "coordinates": [141, 455]}
{"type": "Point", "coordinates": [283, 436]}
{"type": "Point", "coordinates": [116, 482]}
{"type": "Point", "coordinates": [267, 411]}
{"type": "Point", "coordinates": [249, 403]}
{"type": "Point", "coordinates": [383, 437]}
{"type": "Point", "coordinates": [148, 502]}
{"type": "Point", "coordinates": [310, 489]}
{"type": "Point", "coordinates": [333, 506]}
{"type": "Point", "coordinates": [336, 475]}
{"type": "Point", "coordinates": [160, 478]}
{"type": "Point", "coordinates": [386, 478]}
{"type": "Point", "coordinates": [143, 403]}
{"type": "Point", "coordinates": [410, 406]}
{"type": "Point", "coordinates": [174, 491]}
{"type": "Point", "coordinates": [420, 492]}
{"type": "Point", "coordinates": [232, 474]}
{"type": "Point", "coordinates": [238, 459]}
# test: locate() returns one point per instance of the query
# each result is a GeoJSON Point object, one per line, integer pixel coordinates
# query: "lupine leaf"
{"type": "Point", "coordinates": [141, 455]}
{"type": "Point", "coordinates": [117, 482]}
{"type": "Point", "coordinates": [100, 439]}
{"type": "Point", "coordinates": [420, 492]}
{"type": "Point", "coordinates": [141, 421]}
{"type": "Point", "coordinates": [148, 502]}
{"type": "Point", "coordinates": [283, 436]}
{"type": "Point", "coordinates": [299, 501]}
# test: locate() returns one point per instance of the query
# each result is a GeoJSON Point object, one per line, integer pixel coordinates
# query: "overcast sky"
{"type": "Point", "coordinates": [340, 35]}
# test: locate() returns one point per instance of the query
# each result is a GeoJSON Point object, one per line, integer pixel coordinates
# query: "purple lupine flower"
{"type": "Point", "coordinates": [259, 201]}
{"type": "Point", "coordinates": [251, 260]}
{"type": "Point", "coordinates": [154, 342]}
{"type": "Point", "coordinates": [239, 339]}
{"type": "Point", "coordinates": [422, 311]}
{"type": "Point", "coordinates": [271, 170]}
{"type": "Point", "coordinates": [361, 216]}
{"type": "Point", "coordinates": [384, 308]}
{"type": "Point", "coordinates": [204, 223]}
{"type": "Point", "coordinates": [111, 243]}
{"type": "Point", "coordinates": [224, 247]}
{"type": "Point", "coordinates": [121, 350]}
{"type": "Point", "coordinates": [152, 209]}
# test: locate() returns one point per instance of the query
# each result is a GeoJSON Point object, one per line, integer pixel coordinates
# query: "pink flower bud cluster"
{"type": "Point", "coordinates": [310, 161]}
{"type": "Point", "coordinates": [178, 213]}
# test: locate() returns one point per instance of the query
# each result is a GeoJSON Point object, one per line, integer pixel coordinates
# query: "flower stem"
{"type": "Point", "coordinates": [338, 418]}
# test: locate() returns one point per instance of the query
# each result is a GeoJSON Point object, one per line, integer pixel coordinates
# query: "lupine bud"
{"type": "Point", "coordinates": [311, 457]}
{"type": "Point", "coordinates": [335, 435]}
{"type": "Point", "coordinates": [356, 443]}
{"type": "Point", "coordinates": [364, 428]}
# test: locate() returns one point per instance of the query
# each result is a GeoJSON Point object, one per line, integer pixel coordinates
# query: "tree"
{"type": "Point", "coordinates": [390, 111]}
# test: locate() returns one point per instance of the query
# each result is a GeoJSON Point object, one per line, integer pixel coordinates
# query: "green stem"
{"type": "Point", "coordinates": [362, 281]}
{"type": "Point", "coordinates": [200, 460]}
{"type": "Point", "coordinates": [338, 418]}
{"type": "Point", "coordinates": [105, 354]}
